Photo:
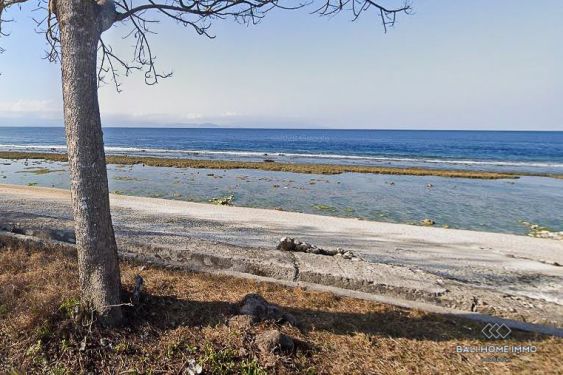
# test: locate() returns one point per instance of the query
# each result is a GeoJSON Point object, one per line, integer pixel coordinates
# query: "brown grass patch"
{"type": "Point", "coordinates": [280, 167]}
{"type": "Point", "coordinates": [183, 316]}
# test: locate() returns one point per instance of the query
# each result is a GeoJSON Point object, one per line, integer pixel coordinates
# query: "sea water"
{"type": "Point", "coordinates": [489, 205]}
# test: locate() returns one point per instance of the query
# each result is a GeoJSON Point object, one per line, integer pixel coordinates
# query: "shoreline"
{"type": "Point", "coordinates": [509, 276]}
{"type": "Point", "coordinates": [322, 169]}
{"type": "Point", "coordinates": [454, 203]}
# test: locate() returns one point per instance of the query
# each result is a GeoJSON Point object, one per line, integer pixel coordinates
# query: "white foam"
{"type": "Point", "coordinates": [256, 154]}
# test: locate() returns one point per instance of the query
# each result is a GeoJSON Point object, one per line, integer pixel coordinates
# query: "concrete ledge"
{"type": "Point", "coordinates": [199, 255]}
{"type": "Point", "coordinates": [313, 272]}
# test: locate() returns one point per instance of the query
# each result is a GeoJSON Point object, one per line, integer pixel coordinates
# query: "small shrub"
{"type": "Point", "coordinates": [68, 307]}
{"type": "Point", "coordinates": [44, 331]}
{"type": "Point", "coordinates": [226, 361]}
{"type": "Point", "coordinates": [251, 367]}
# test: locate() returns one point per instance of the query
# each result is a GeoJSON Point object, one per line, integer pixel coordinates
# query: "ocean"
{"type": "Point", "coordinates": [483, 150]}
{"type": "Point", "coordinates": [507, 206]}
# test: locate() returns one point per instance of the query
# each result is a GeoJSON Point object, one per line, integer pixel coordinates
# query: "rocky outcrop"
{"type": "Point", "coordinates": [293, 245]}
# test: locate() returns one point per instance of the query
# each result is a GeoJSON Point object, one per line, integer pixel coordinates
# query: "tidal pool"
{"type": "Point", "coordinates": [488, 205]}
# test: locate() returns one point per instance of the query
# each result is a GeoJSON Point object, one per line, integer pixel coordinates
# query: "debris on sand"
{"type": "Point", "coordinates": [293, 245]}
{"type": "Point", "coordinates": [539, 231]}
{"type": "Point", "coordinates": [223, 201]}
{"type": "Point", "coordinates": [427, 222]}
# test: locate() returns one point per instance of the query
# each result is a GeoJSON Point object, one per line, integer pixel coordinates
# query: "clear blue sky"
{"type": "Point", "coordinates": [494, 65]}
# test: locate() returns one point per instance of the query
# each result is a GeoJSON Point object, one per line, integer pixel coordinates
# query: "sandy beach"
{"type": "Point", "coordinates": [509, 276]}
{"type": "Point", "coordinates": [363, 194]}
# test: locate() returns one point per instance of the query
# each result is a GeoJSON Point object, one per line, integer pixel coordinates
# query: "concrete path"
{"type": "Point", "coordinates": [436, 259]}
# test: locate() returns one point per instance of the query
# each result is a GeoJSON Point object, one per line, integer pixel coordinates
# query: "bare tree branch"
{"type": "Point", "coordinates": [5, 4]}
{"type": "Point", "coordinates": [48, 26]}
{"type": "Point", "coordinates": [197, 15]}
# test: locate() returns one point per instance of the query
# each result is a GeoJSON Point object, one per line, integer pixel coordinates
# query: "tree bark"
{"type": "Point", "coordinates": [100, 280]}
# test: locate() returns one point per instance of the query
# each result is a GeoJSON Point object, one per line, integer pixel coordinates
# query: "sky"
{"type": "Point", "coordinates": [467, 65]}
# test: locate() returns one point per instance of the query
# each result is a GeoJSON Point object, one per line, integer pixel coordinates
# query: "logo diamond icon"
{"type": "Point", "coordinates": [503, 331]}
{"type": "Point", "coordinates": [496, 331]}
{"type": "Point", "coordinates": [486, 331]}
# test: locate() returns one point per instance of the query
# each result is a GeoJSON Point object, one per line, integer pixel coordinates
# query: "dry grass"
{"type": "Point", "coordinates": [280, 167]}
{"type": "Point", "coordinates": [183, 317]}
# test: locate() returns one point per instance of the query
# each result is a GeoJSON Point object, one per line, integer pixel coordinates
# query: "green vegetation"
{"type": "Point", "coordinates": [40, 170]}
{"type": "Point", "coordinates": [324, 207]}
{"type": "Point", "coordinates": [223, 201]}
{"type": "Point", "coordinates": [126, 178]}
{"type": "Point", "coordinates": [226, 361]}
{"type": "Point", "coordinates": [69, 306]}
{"type": "Point", "coordinates": [539, 231]}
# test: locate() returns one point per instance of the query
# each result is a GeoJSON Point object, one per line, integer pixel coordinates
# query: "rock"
{"type": "Point", "coordinates": [428, 222]}
{"type": "Point", "coordinates": [330, 252]}
{"type": "Point", "coordinates": [8, 228]}
{"type": "Point", "coordinates": [291, 244]}
{"type": "Point", "coordinates": [257, 307]}
{"type": "Point", "coordinates": [286, 244]}
{"type": "Point", "coordinates": [63, 235]}
{"type": "Point", "coordinates": [348, 255]}
{"type": "Point", "coordinates": [274, 341]}
{"type": "Point", "coordinates": [303, 247]}
{"type": "Point", "coordinates": [315, 250]}
{"type": "Point", "coordinates": [254, 305]}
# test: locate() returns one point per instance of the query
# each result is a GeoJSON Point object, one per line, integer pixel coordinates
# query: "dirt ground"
{"type": "Point", "coordinates": [186, 319]}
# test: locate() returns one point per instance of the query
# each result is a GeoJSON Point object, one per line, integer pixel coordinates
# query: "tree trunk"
{"type": "Point", "coordinates": [100, 281]}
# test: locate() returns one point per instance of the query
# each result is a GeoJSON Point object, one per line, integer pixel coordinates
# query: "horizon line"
{"type": "Point", "coordinates": [218, 127]}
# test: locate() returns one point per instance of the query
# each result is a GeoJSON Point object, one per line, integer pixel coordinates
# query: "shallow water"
{"type": "Point", "coordinates": [488, 205]}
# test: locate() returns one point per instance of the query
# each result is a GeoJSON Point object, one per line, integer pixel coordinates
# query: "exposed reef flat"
{"type": "Point", "coordinates": [280, 167]}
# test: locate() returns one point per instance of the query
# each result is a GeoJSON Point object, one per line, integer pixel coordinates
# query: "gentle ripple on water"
{"type": "Point", "coordinates": [489, 205]}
